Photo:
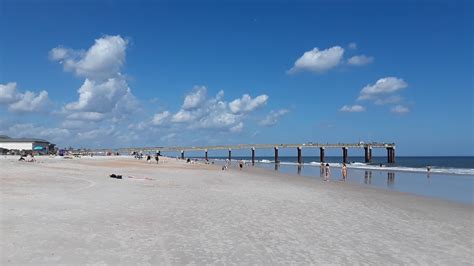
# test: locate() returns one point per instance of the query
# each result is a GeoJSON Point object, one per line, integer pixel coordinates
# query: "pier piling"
{"type": "Point", "coordinates": [390, 154]}
{"type": "Point", "coordinates": [368, 154]}
{"type": "Point", "coordinates": [276, 155]}
{"type": "Point", "coordinates": [253, 156]}
{"type": "Point", "coordinates": [344, 155]}
{"type": "Point", "coordinates": [205, 155]}
{"type": "Point", "coordinates": [321, 154]}
{"type": "Point", "coordinates": [300, 161]}
{"type": "Point", "coordinates": [230, 155]}
{"type": "Point", "coordinates": [182, 155]}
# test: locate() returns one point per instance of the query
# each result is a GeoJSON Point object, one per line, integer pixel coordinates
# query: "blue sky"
{"type": "Point", "coordinates": [161, 73]}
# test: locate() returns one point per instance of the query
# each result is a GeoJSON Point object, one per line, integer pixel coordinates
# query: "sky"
{"type": "Point", "coordinates": [160, 73]}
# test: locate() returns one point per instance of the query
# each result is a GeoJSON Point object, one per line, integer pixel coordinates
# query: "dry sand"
{"type": "Point", "coordinates": [60, 211]}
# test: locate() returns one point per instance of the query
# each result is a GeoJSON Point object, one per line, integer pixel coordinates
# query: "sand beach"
{"type": "Point", "coordinates": [69, 211]}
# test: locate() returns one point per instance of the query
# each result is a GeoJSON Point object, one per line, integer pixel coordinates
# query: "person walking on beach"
{"type": "Point", "coordinates": [344, 171]}
{"type": "Point", "coordinates": [321, 170]}
{"type": "Point", "coordinates": [327, 172]}
{"type": "Point", "coordinates": [157, 158]}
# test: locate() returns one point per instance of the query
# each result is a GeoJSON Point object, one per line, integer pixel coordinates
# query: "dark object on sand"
{"type": "Point", "coordinates": [115, 176]}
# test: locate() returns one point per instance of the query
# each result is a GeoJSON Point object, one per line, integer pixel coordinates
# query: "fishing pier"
{"type": "Point", "coordinates": [390, 147]}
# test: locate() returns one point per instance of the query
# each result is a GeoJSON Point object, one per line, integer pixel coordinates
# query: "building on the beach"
{"type": "Point", "coordinates": [25, 144]}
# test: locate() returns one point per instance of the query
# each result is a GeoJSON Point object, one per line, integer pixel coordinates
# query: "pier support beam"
{"type": "Point", "coordinates": [253, 156]}
{"type": "Point", "coordinates": [205, 152]}
{"type": "Point", "coordinates": [300, 160]}
{"type": "Point", "coordinates": [344, 155]}
{"type": "Point", "coordinates": [230, 155]}
{"type": "Point", "coordinates": [321, 154]}
{"type": "Point", "coordinates": [368, 154]}
{"type": "Point", "coordinates": [277, 160]}
{"type": "Point", "coordinates": [391, 155]}
{"type": "Point", "coordinates": [182, 155]}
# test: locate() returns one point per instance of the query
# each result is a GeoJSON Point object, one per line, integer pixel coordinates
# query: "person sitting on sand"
{"type": "Point", "coordinates": [22, 159]}
{"type": "Point", "coordinates": [148, 158]}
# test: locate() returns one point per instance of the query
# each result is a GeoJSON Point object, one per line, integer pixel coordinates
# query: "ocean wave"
{"type": "Point", "coordinates": [363, 166]}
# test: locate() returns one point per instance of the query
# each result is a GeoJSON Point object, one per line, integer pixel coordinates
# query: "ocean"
{"type": "Point", "coordinates": [450, 178]}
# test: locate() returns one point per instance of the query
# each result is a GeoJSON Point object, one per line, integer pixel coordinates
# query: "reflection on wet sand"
{"type": "Point", "coordinates": [299, 169]}
{"type": "Point", "coordinates": [368, 177]}
{"type": "Point", "coordinates": [390, 179]}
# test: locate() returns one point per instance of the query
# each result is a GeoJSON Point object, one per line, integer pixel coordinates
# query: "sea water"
{"type": "Point", "coordinates": [449, 178]}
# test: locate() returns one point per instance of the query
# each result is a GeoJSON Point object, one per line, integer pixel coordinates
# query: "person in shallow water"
{"type": "Point", "coordinates": [344, 171]}
{"type": "Point", "coordinates": [327, 172]}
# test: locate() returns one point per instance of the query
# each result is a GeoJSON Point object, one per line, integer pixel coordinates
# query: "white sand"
{"type": "Point", "coordinates": [70, 212]}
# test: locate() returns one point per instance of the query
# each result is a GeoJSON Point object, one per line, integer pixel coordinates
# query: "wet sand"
{"type": "Point", "coordinates": [68, 211]}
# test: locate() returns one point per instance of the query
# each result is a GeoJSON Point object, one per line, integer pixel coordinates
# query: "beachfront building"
{"type": "Point", "coordinates": [24, 144]}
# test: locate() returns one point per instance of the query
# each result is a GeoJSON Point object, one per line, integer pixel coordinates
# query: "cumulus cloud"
{"type": "Point", "coordinates": [27, 101]}
{"type": "Point", "coordinates": [99, 97]}
{"type": "Point", "coordinates": [352, 108]}
{"type": "Point", "coordinates": [195, 99]}
{"type": "Point", "coordinates": [8, 93]}
{"type": "Point", "coordinates": [400, 109]}
{"type": "Point", "coordinates": [237, 128]}
{"type": "Point", "coordinates": [102, 60]}
{"type": "Point", "coordinates": [247, 104]}
{"type": "Point", "coordinates": [105, 92]}
{"type": "Point", "coordinates": [30, 102]}
{"type": "Point", "coordinates": [273, 117]}
{"type": "Point", "coordinates": [382, 87]}
{"type": "Point", "coordinates": [319, 60]}
{"type": "Point", "coordinates": [360, 60]}
{"type": "Point", "coordinates": [201, 112]}
{"type": "Point", "coordinates": [383, 92]}
{"type": "Point", "coordinates": [160, 118]}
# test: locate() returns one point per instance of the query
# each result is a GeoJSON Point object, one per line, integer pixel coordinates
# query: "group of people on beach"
{"type": "Point", "coordinates": [325, 171]}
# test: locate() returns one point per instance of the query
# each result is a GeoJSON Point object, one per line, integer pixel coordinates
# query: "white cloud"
{"type": "Point", "coordinates": [160, 118]}
{"type": "Point", "coordinates": [352, 108]}
{"type": "Point", "coordinates": [30, 102]}
{"type": "Point", "coordinates": [200, 112]}
{"type": "Point", "coordinates": [360, 60]}
{"type": "Point", "coordinates": [388, 100]}
{"type": "Point", "coordinates": [319, 60]}
{"type": "Point", "coordinates": [105, 92]}
{"type": "Point", "coordinates": [102, 60]}
{"type": "Point", "coordinates": [400, 109]}
{"type": "Point", "coordinates": [237, 128]}
{"type": "Point", "coordinates": [353, 45]}
{"type": "Point", "coordinates": [27, 101]}
{"type": "Point", "coordinates": [86, 116]}
{"type": "Point", "coordinates": [8, 93]}
{"type": "Point", "coordinates": [182, 116]}
{"type": "Point", "coordinates": [195, 99]}
{"type": "Point", "coordinates": [247, 104]}
{"type": "Point", "coordinates": [383, 86]}
{"type": "Point", "coordinates": [99, 97]}
{"type": "Point", "coordinates": [273, 117]}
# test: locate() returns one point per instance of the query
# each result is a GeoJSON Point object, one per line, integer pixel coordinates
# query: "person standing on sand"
{"type": "Point", "coordinates": [157, 158]}
{"type": "Point", "coordinates": [344, 171]}
{"type": "Point", "coordinates": [321, 170]}
{"type": "Point", "coordinates": [241, 164]}
{"type": "Point", "coordinates": [148, 158]}
{"type": "Point", "coordinates": [328, 172]}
